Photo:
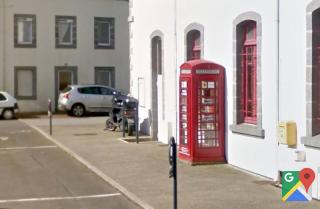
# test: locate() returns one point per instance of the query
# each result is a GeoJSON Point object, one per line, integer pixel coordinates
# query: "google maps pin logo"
{"type": "Point", "coordinates": [307, 176]}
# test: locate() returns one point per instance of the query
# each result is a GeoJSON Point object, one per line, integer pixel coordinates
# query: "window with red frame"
{"type": "Point", "coordinates": [249, 72]}
{"type": "Point", "coordinates": [316, 72]}
{"type": "Point", "coordinates": [193, 45]}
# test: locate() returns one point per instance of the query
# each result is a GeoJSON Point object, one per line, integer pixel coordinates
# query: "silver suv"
{"type": "Point", "coordinates": [8, 106]}
{"type": "Point", "coordinates": [79, 99]}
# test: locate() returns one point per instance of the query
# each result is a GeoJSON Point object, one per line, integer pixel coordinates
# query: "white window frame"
{"type": "Point", "coordinates": [112, 76]}
{"type": "Point", "coordinates": [65, 21]}
{"type": "Point", "coordinates": [23, 20]}
{"type": "Point", "coordinates": [20, 21]}
{"type": "Point", "coordinates": [33, 71]}
{"type": "Point", "coordinates": [109, 24]}
{"type": "Point", "coordinates": [100, 22]}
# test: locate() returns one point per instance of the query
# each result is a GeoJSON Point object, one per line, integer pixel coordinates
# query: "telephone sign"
{"type": "Point", "coordinates": [207, 71]}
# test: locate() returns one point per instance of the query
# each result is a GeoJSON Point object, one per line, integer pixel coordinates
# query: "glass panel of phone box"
{"type": "Point", "coordinates": [184, 113]}
{"type": "Point", "coordinates": [208, 114]}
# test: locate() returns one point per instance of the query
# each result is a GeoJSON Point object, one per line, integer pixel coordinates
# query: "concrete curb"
{"type": "Point", "coordinates": [94, 169]}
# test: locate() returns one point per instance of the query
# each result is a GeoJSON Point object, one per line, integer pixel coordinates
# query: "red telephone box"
{"type": "Point", "coordinates": [201, 112]}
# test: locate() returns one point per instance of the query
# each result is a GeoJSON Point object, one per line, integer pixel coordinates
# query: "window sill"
{"type": "Point", "coordinates": [247, 129]}
{"type": "Point", "coordinates": [311, 141]}
{"type": "Point", "coordinates": [103, 47]}
{"type": "Point", "coordinates": [25, 45]}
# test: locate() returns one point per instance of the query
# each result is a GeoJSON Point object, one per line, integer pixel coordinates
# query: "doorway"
{"type": "Point", "coordinates": [156, 74]}
{"type": "Point", "coordinates": [64, 76]}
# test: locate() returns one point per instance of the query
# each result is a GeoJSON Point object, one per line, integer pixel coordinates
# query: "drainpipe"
{"type": "Point", "coordinates": [277, 85]}
{"type": "Point", "coordinates": [278, 60]}
{"type": "Point", "coordinates": [175, 66]}
{"type": "Point", "coordinates": [3, 5]}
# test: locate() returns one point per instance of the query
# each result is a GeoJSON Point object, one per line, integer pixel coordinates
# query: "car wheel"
{"type": "Point", "coordinates": [110, 126]}
{"type": "Point", "coordinates": [7, 114]}
{"type": "Point", "coordinates": [78, 110]}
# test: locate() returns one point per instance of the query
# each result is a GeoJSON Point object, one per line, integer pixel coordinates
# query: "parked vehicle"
{"type": "Point", "coordinates": [80, 99]}
{"type": "Point", "coordinates": [8, 105]}
{"type": "Point", "coordinates": [122, 106]}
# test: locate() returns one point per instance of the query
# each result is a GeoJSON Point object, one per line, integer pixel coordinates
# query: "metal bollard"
{"type": "Point", "coordinates": [173, 169]}
{"type": "Point", "coordinates": [136, 122]}
{"type": "Point", "coordinates": [123, 121]}
{"type": "Point", "coordinates": [50, 115]}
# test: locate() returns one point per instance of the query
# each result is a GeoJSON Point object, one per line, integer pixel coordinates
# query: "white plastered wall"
{"type": "Point", "coordinates": [293, 64]}
{"type": "Point", "coordinates": [151, 16]}
{"type": "Point", "coordinates": [254, 154]}
{"type": "Point", "coordinates": [259, 155]}
{"type": "Point", "coordinates": [292, 75]}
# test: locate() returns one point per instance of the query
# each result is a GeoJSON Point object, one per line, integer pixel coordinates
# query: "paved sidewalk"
{"type": "Point", "coordinates": [142, 170]}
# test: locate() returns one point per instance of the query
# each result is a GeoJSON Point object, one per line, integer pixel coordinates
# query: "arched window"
{"type": "Point", "coordinates": [193, 45]}
{"type": "Point", "coordinates": [156, 64]}
{"type": "Point", "coordinates": [312, 75]}
{"type": "Point", "coordinates": [316, 72]}
{"type": "Point", "coordinates": [247, 91]}
{"type": "Point", "coordinates": [249, 71]}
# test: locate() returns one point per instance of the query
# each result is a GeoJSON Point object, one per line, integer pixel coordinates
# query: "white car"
{"type": "Point", "coordinates": [8, 106]}
{"type": "Point", "coordinates": [79, 99]}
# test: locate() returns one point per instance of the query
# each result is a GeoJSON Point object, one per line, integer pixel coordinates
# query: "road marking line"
{"type": "Point", "coordinates": [25, 131]}
{"type": "Point", "coordinates": [123, 140]}
{"type": "Point", "coordinates": [21, 148]}
{"type": "Point", "coordinates": [3, 138]}
{"type": "Point", "coordinates": [20, 131]}
{"type": "Point", "coordinates": [60, 198]}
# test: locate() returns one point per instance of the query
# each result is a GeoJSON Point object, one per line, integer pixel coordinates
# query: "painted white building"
{"type": "Point", "coordinates": [282, 38]}
{"type": "Point", "coordinates": [45, 45]}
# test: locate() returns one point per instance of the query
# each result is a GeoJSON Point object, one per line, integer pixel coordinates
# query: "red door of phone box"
{"type": "Point", "coordinates": [201, 112]}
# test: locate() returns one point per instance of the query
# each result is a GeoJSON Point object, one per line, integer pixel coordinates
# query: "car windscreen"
{"type": "Point", "coordinates": [2, 97]}
{"type": "Point", "coordinates": [67, 89]}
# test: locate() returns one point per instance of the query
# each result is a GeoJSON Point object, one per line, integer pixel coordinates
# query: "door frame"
{"type": "Point", "coordinates": [73, 70]}
{"type": "Point", "coordinates": [154, 106]}
{"type": "Point", "coordinates": [156, 40]}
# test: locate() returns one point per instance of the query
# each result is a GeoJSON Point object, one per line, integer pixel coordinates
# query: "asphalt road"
{"type": "Point", "coordinates": [36, 174]}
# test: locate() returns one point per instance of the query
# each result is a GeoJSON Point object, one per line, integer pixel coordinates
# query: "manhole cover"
{"type": "Point", "coordinates": [86, 134]}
